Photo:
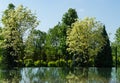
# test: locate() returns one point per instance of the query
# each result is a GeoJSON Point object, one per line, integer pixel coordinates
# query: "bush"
{"type": "Point", "coordinates": [57, 63]}
{"type": "Point", "coordinates": [91, 63]}
{"type": "Point", "coordinates": [44, 64]}
{"type": "Point", "coordinates": [70, 63]}
{"type": "Point", "coordinates": [52, 64]}
{"type": "Point", "coordinates": [39, 63]}
{"type": "Point", "coordinates": [1, 59]}
{"type": "Point", "coordinates": [28, 62]}
{"type": "Point", "coordinates": [20, 63]}
{"type": "Point", "coordinates": [61, 63]}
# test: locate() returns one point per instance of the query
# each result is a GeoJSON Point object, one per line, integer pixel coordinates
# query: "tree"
{"type": "Point", "coordinates": [56, 41]}
{"type": "Point", "coordinates": [84, 40]}
{"type": "Point", "coordinates": [70, 17]}
{"type": "Point", "coordinates": [117, 39]}
{"type": "Point", "coordinates": [1, 49]}
{"type": "Point", "coordinates": [53, 42]}
{"type": "Point", "coordinates": [56, 38]}
{"type": "Point", "coordinates": [67, 20]}
{"type": "Point", "coordinates": [116, 47]}
{"type": "Point", "coordinates": [16, 21]}
{"type": "Point", "coordinates": [117, 35]}
{"type": "Point", "coordinates": [104, 56]}
{"type": "Point", "coordinates": [35, 45]}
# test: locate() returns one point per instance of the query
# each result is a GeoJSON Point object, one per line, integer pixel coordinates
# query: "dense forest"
{"type": "Point", "coordinates": [73, 42]}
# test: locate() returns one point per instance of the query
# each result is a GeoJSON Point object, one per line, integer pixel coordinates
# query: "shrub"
{"type": "Point", "coordinates": [44, 64]}
{"type": "Point", "coordinates": [52, 64]}
{"type": "Point", "coordinates": [1, 59]}
{"type": "Point", "coordinates": [20, 63]}
{"type": "Point", "coordinates": [39, 63]}
{"type": "Point", "coordinates": [57, 63]}
{"type": "Point", "coordinates": [28, 62]}
{"type": "Point", "coordinates": [61, 63]}
{"type": "Point", "coordinates": [70, 63]}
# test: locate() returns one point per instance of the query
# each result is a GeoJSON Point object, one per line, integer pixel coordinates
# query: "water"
{"type": "Point", "coordinates": [60, 75]}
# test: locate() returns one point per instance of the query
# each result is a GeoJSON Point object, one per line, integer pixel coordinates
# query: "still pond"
{"type": "Point", "coordinates": [60, 75]}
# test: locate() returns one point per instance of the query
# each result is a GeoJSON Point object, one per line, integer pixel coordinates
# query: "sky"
{"type": "Point", "coordinates": [50, 12]}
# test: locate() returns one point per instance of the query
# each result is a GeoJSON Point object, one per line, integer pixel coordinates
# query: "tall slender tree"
{"type": "Point", "coordinates": [116, 47]}
{"type": "Point", "coordinates": [104, 56]}
{"type": "Point", "coordinates": [68, 19]}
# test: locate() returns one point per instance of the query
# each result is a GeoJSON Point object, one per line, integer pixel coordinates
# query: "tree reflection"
{"type": "Point", "coordinates": [105, 74]}
{"type": "Point", "coordinates": [78, 75]}
{"type": "Point", "coordinates": [43, 75]}
{"type": "Point", "coordinates": [58, 75]}
{"type": "Point", "coordinates": [10, 76]}
{"type": "Point", "coordinates": [118, 74]}
{"type": "Point", "coordinates": [89, 75]}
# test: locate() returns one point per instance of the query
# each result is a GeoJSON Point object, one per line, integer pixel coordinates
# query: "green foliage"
{"type": "Point", "coordinates": [104, 56]}
{"type": "Point", "coordinates": [114, 61]}
{"type": "Point", "coordinates": [39, 63]}
{"type": "Point", "coordinates": [55, 42]}
{"type": "Point", "coordinates": [84, 40]}
{"type": "Point", "coordinates": [70, 17]}
{"type": "Point", "coordinates": [16, 22]}
{"type": "Point", "coordinates": [117, 35]}
{"type": "Point", "coordinates": [0, 59]}
{"type": "Point", "coordinates": [35, 44]}
{"type": "Point", "coordinates": [91, 62]}
{"type": "Point", "coordinates": [61, 63]}
{"type": "Point", "coordinates": [116, 47]}
{"type": "Point", "coordinates": [117, 41]}
{"type": "Point", "coordinates": [57, 63]}
{"type": "Point", "coordinates": [28, 62]}
{"type": "Point", "coordinates": [70, 63]}
{"type": "Point", "coordinates": [118, 61]}
{"type": "Point", "coordinates": [56, 37]}
{"type": "Point", "coordinates": [71, 42]}
{"type": "Point", "coordinates": [52, 64]}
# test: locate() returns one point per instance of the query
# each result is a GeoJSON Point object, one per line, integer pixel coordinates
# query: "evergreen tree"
{"type": "Point", "coordinates": [104, 56]}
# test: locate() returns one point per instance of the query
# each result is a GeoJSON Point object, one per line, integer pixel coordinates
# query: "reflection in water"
{"type": "Point", "coordinates": [10, 76]}
{"type": "Point", "coordinates": [78, 75]}
{"type": "Point", "coordinates": [118, 75]}
{"type": "Point", "coordinates": [60, 75]}
{"type": "Point", "coordinates": [43, 75]}
{"type": "Point", "coordinates": [106, 75]}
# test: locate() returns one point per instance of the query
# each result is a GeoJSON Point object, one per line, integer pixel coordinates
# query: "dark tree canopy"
{"type": "Point", "coordinates": [11, 6]}
{"type": "Point", "coordinates": [70, 17]}
{"type": "Point", "coordinates": [104, 56]}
